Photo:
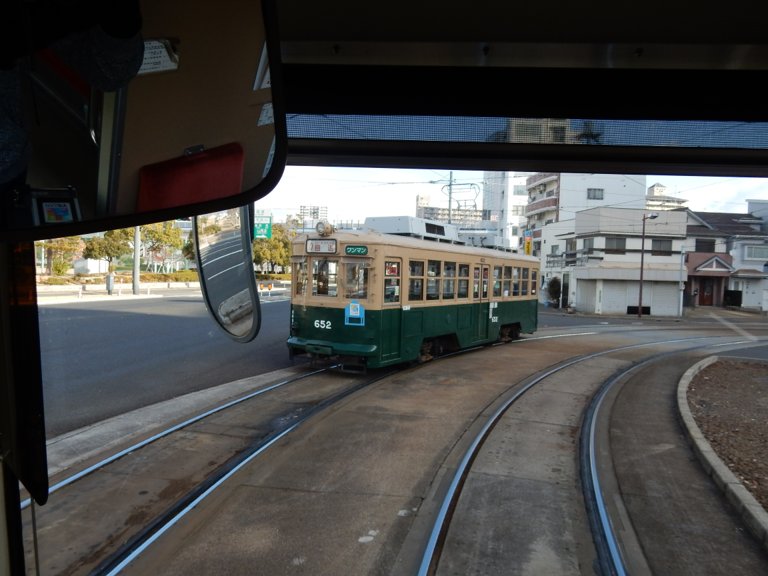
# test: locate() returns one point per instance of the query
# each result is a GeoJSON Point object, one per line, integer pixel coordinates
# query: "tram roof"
{"type": "Point", "coordinates": [370, 236]}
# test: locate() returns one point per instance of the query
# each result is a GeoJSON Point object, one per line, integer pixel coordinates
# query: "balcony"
{"type": "Point", "coordinates": [541, 177]}
{"type": "Point", "coordinates": [546, 204]}
{"type": "Point", "coordinates": [568, 259]}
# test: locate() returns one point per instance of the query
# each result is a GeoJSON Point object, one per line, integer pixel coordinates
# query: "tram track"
{"type": "Point", "coordinates": [240, 433]}
{"type": "Point", "coordinates": [608, 543]}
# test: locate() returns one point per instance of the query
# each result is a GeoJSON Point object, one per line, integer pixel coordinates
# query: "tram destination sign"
{"type": "Point", "coordinates": [356, 250]}
{"type": "Point", "coordinates": [321, 246]}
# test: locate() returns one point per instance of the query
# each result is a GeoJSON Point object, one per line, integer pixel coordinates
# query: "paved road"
{"type": "Point", "coordinates": [105, 355]}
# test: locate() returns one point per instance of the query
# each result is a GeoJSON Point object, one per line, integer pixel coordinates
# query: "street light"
{"type": "Point", "coordinates": [649, 216]}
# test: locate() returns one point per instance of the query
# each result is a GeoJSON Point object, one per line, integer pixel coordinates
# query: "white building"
{"type": "Point", "coordinates": [598, 259]}
{"type": "Point", "coordinates": [554, 197]}
{"type": "Point", "coordinates": [657, 199]}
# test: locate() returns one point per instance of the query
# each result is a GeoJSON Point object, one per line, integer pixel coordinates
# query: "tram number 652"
{"type": "Point", "coordinates": [323, 324]}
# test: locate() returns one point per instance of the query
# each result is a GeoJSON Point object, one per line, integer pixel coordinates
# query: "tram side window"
{"type": "Point", "coordinates": [416, 280]}
{"type": "Point", "coordinates": [300, 277]}
{"type": "Point", "coordinates": [485, 282]}
{"type": "Point", "coordinates": [463, 291]}
{"type": "Point", "coordinates": [433, 280]}
{"type": "Point", "coordinates": [356, 281]}
{"type": "Point", "coordinates": [507, 280]}
{"type": "Point", "coordinates": [391, 281]}
{"type": "Point", "coordinates": [449, 282]}
{"type": "Point", "coordinates": [325, 277]}
{"type": "Point", "coordinates": [524, 282]}
{"type": "Point", "coordinates": [534, 279]}
{"type": "Point", "coordinates": [516, 281]}
{"type": "Point", "coordinates": [476, 283]}
{"type": "Point", "coordinates": [497, 281]}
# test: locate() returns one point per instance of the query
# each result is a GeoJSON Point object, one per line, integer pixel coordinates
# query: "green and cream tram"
{"type": "Point", "coordinates": [370, 299]}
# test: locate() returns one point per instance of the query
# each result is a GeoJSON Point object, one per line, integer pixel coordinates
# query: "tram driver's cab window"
{"type": "Point", "coordinates": [391, 281]}
{"type": "Point", "coordinates": [356, 281]}
{"type": "Point", "coordinates": [325, 277]}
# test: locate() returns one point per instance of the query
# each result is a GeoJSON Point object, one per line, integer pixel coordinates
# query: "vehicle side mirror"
{"type": "Point", "coordinates": [225, 268]}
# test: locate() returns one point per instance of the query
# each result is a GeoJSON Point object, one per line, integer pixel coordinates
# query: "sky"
{"type": "Point", "coordinates": [352, 194]}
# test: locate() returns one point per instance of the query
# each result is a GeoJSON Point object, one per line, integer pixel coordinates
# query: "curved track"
{"type": "Point", "coordinates": [239, 430]}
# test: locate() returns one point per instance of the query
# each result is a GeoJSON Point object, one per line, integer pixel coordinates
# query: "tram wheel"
{"type": "Point", "coordinates": [425, 353]}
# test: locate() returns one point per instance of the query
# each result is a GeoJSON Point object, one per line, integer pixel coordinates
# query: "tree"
{"type": "Point", "coordinates": [554, 289]}
{"type": "Point", "coordinates": [161, 239]}
{"type": "Point", "coordinates": [110, 246]}
{"type": "Point", "coordinates": [274, 251]}
{"type": "Point", "coordinates": [59, 253]}
{"type": "Point", "coordinates": [188, 250]}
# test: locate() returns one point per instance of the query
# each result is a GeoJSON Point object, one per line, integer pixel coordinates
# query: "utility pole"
{"type": "Point", "coordinates": [650, 216]}
{"type": "Point", "coordinates": [136, 260]}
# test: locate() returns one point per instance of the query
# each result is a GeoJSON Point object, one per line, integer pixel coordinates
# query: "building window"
{"type": "Point", "coordinates": [554, 249]}
{"type": "Point", "coordinates": [756, 252]}
{"type": "Point", "coordinates": [615, 245]}
{"type": "Point", "coordinates": [661, 247]}
{"type": "Point", "coordinates": [595, 193]}
{"type": "Point", "coordinates": [589, 245]}
{"type": "Point", "coordinates": [705, 245]}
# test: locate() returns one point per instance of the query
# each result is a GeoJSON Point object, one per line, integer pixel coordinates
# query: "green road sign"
{"type": "Point", "coordinates": [262, 226]}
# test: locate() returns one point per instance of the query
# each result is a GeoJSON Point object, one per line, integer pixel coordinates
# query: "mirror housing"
{"type": "Point", "coordinates": [198, 128]}
{"type": "Point", "coordinates": [225, 268]}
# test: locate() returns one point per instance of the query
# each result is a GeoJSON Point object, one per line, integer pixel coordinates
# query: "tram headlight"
{"type": "Point", "coordinates": [324, 228]}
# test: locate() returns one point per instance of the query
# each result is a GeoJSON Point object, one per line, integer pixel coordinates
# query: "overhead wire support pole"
{"type": "Point", "coordinates": [650, 216]}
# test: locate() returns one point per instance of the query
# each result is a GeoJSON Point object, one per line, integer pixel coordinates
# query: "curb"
{"type": "Point", "coordinates": [750, 510]}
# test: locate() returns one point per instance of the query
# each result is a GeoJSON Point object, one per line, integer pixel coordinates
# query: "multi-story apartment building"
{"type": "Point", "coordinates": [557, 197]}
{"type": "Point", "coordinates": [460, 213]}
{"type": "Point", "coordinates": [657, 199]}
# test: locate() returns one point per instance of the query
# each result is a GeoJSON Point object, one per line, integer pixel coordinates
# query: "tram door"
{"type": "Point", "coordinates": [391, 317]}
{"type": "Point", "coordinates": [480, 279]}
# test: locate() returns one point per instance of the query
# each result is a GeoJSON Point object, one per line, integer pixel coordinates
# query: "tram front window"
{"type": "Point", "coordinates": [356, 286]}
{"type": "Point", "coordinates": [324, 277]}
